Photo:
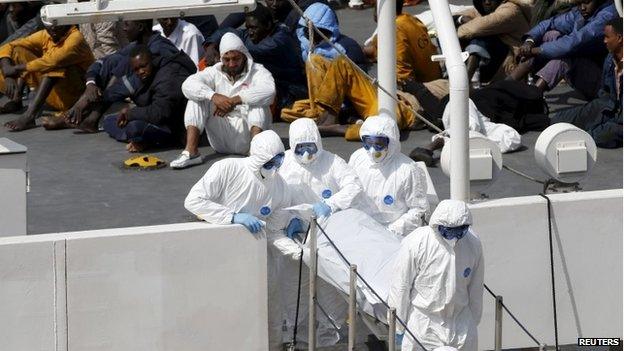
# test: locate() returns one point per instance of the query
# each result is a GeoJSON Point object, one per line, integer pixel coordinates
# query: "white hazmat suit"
{"type": "Point", "coordinates": [507, 138]}
{"type": "Point", "coordinates": [326, 178]}
{"type": "Point", "coordinates": [256, 88]}
{"type": "Point", "coordinates": [235, 185]}
{"type": "Point", "coordinates": [395, 189]}
{"type": "Point", "coordinates": [438, 283]}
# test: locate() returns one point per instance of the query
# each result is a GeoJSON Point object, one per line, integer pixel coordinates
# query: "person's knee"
{"type": "Point", "coordinates": [134, 130]}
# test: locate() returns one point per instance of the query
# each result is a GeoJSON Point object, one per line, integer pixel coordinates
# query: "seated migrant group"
{"type": "Point", "coordinates": [173, 82]}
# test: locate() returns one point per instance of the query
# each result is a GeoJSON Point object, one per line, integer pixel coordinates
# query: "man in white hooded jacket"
{"type": "Point", "coordinates": [230, 100]}
{"type": "Point", "coordinates": [395, 188]}
{"type": "Point", "coordinates": [438, 284]}
{"type": "Point", "coordinates": [249, 191]}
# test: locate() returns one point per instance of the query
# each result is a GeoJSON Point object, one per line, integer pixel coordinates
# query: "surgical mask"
{"type": "Point", "coordinates": [305, 153]}
{"type": "Point", "coordinates": [268, 173]}
{"type": "Point", "coordinates": [269, 169]}
{"type": "Point", "coordinates": [376, 147]}
{"type": "Point", "coordinates": [450, 233]}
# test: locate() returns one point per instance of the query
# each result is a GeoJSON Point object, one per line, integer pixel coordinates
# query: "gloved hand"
{"type": "Point", "coordinates": [398, 339]}
{"type": "Point", "coordinates": [294, 227]}
{"type": "Point", "coordinates": [321, 209]}
{"type": "Point", "coordinates": [250, 222]}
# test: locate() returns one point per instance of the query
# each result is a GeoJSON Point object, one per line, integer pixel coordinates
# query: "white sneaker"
{"type": "Point", "coordinates": [185, 160]}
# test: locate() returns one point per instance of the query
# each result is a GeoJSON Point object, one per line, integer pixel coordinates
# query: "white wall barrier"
{"type": "Point", "coordinates": [197, 286]}
{"type": "Point", "coordinates": [176, 287]}
{"type": "Point", "coordinates": [587, 241]}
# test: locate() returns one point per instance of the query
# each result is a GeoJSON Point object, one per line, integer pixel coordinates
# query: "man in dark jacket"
{"type": "Point", "coordinates": [111, 79]}
{"type": "Point", "coordinates": [158, 117]}
{"type": "Point", "coordinates": [602, 117]}
{"type": "Point", "coordinates": [568, 46]}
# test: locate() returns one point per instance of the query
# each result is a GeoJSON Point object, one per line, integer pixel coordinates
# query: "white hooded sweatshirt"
{"type": "Point", "coordinates": [255, 85]}
{"type": "Point", "coordinates": [327, 178]}
{"type": "Point", "coordinates": [395, 189]}
{"type": "Point", "coordinates": [438, 284]}
{"type": "Point", "coordinates": [507, 138]}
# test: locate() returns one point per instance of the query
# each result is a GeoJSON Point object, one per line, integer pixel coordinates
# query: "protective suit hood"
{"type": "Point", "coordinates": [264, 146]}
{"type": "Point", "coordinates": [383, 126]}
{"type": "Point", "coordinates": [304, 130]}
{"type": "Point", "coordinates": [231, 42]}
{"type": "Point", "coordinates": [451, 213]}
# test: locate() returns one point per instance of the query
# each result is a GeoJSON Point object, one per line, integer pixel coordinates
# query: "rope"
{"type": "Point", "coordinates": [368, 285]}
{"type": "Point", "coordinates": [373, 81]}
{"type": "Point", "coordinates": [552, 271]}
{"type": "Point", "coordinates": [513, 317]}
{"type": "Point", "coordinates": [293, 343]}
{"type": "Point", "coordinates": [524, 175]}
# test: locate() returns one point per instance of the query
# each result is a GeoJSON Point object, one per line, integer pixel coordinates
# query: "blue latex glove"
{"type": "Point", "coordinates": [250, 222]}
{"type": "Point", "coordinates": [398, 339]}
{"type": "Point", "coordinates": [321, 209]}
{"type": "Point", "coordinates": [294, 227]}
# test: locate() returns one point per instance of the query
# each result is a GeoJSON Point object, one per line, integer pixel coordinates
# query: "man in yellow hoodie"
{"type": "Point", "coordinates": [333, 82]}
{"type": "Point", "coordinates": [53, 61]}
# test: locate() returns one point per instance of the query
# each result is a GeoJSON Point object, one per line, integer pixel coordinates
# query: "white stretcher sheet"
{"type": "Point", "coordinates": [365, 243]}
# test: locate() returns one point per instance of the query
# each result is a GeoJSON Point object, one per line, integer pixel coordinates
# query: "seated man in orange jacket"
{"type": "Point", "coordinates": [53, 61]}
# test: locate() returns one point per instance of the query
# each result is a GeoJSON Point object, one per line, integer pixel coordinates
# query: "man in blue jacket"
{"type": "Point", "coordinates": [111, 79]}
{"type": "Point", "coordinates": [158, 117]}
{"type": "Point", "coordinates": [568, 46]}
{"type": "Point", "coordinates": [602, 117]}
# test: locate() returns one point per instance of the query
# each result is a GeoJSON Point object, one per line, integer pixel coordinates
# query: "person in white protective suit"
{"type": "Point", "coordinates": [438, 281]}
{"type": "Point", "coordinates": [317, 176]}
{"type": "Point", "coordinates": [320, 178]}
{"type": "Point", "coordinates": [230, 100]}
{"type": "Point", "coordinates": [249, 191]}
{"type": "Point", "coordinates": [395, 188]}
{"type": "Point", "coordinates": [506, 138]}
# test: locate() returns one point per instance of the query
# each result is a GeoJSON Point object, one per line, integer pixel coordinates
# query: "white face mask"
{"type": "Point", "coordinates": [306, 158]}
{"type": "Point", "coordinates": [268, 173]}
{"type": "Point", "coordinates": [377, 156]}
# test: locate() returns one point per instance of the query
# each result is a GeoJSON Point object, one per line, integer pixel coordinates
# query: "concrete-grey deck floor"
{"type": "Point", "coordinates": [77, 182]}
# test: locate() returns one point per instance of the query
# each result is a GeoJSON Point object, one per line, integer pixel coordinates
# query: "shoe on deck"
{"type": "Point", "coordinates": [186, 160]}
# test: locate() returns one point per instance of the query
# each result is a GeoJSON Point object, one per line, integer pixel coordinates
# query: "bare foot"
{"type": "Point", "coordinates": [326, 118]}
{"type": "Point", "coordinates": [55, 123]}
{"type": "Point", "coordinates": [135, 147]}
{"type": "Point", "coordinates": [11, 107]}
{"type": "Point", "coordinates": [17, 125]}
{"type": "Point", "coordinates": [90, 124]}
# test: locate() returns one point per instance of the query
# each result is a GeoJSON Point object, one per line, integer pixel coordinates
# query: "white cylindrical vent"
{"type": "Point", "coordinates": [565, 152]}
{"type": "Point", "coordinates": [485, 161]}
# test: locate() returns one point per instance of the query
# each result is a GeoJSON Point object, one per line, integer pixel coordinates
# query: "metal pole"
{"type": "Point", "coordinates": [386, 60]}
{"type": "Point", "coordinates": [352, 306]}
{"type": "Point", "coordinates": [498, 327]}
{"type": "Point", "coordinates": [312, 297]}
{"type": "Point", "coordinates": [391, 329]}
{"type": "Point", "coordinates": [458, 102]}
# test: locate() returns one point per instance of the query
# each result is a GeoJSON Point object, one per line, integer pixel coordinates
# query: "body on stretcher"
{"type": "Point", "coordinates": [365, 243]}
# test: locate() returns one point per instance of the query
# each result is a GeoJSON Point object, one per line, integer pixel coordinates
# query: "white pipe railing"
{"type": "Point", "coordinates": [458, 102]}
{"type": "Point", "coordinates": [386, 61]}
